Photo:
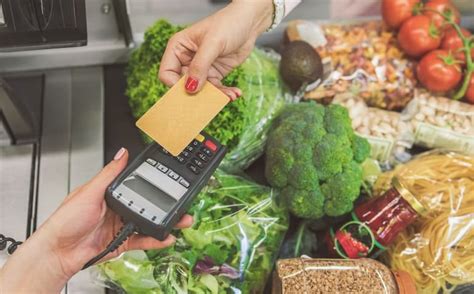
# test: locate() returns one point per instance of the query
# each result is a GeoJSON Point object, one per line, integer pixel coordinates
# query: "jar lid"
{"type": "Point", "coordinates": [408, 196]}
{"type": "Point", "coordinates": [405, 283]}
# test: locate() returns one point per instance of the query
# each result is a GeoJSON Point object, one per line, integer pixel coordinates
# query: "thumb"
{"type": "Point", "coordinates": [103, 179]}
{"type": "Point", "coordinates": [207, 53]}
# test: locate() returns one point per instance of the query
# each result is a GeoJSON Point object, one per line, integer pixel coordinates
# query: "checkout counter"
{"type": "Point", "coordinates": [63, 110]}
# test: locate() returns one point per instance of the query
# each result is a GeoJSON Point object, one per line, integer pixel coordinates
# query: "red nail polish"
{"type": "Point", "coordinates": [191, 84]}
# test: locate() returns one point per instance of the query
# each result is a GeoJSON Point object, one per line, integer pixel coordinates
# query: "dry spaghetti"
{"type": "Point", "coordinates": [438, 250]}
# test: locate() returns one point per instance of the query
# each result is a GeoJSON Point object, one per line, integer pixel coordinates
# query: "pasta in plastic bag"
{"type": "Point", "coordinates": [438, 249]}
{"type": "Point", "coordinates": [231, 247]}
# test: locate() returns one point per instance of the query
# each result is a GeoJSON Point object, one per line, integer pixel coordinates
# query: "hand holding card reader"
{"type": "Point", "coordinates": [156, 189]}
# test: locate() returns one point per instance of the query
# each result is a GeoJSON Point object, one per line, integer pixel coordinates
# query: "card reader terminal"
{"type": "Point", "coordinates": [156, 189]}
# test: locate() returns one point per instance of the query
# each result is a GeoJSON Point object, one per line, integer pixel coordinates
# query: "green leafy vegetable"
{"type": "Point", "coordinates": [314, 157]}
{"type": "Point", "coordinates": [238, 225]}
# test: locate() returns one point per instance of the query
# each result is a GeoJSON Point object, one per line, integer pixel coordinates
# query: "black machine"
{"type": "Point", "coordinates": [40, 24]}
{"type": "Point", "coordinates": [156, 189]}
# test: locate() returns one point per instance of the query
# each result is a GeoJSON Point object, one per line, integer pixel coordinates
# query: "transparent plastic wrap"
{"type": "Point", "coordinates": [306, 275]}
{"type": "Point", "coordinates": [264, 96]}
{"type": "Point", "coordinates": [438, 122]}
{"type": "Point", "coordinates": [364, 59]}
{"type": "Point", "coordinates": [388, 135]}
{"type": "Point", "coordinates": [231, 247]}
{"type": "Point", "coordinates": [438, 248]}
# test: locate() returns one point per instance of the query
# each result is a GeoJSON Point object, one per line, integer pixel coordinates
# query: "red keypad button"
{"type": "Point", "coordinates": [209, 144]}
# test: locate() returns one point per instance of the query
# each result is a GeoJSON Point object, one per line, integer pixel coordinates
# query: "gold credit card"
{"type": "Point", "coordinates": [178, 117]}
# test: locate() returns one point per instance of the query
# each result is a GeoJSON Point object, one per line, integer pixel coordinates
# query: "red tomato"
{"type": "Point", "coordinates": [469, 97]}
{"type": "Point", "coordinates": [438, 71]}
{"type": "Point", "coordinates": [451, 39]}
{"type": "Point", "coordinates": [452, 42]}
{"type": "Point", "coordinates": [418, 36]}
{"type": "Point", "coordinates": [395, 12]}
{"type": "Point", "coordinates": [444, 7]}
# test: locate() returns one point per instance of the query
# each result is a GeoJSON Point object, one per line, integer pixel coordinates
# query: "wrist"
{"type": "Point", "coordinates": [33, 268]}
{"type": "Point", "coordinates": [261, 12]}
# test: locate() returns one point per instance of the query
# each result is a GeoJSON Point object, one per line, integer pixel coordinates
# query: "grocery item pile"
{"type": "Point", "coordinates": [369, 180]}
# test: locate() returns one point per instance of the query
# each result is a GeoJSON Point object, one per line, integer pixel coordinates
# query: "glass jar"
{"type": "Point", "coordinates": [375, 223]}
{"type": "Point", "coordinates": [306, 275]}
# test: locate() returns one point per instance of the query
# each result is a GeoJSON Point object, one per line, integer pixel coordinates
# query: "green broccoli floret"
{"type": "Point", "coordinates": [330, 154]}
{"type": "Point", "coordinates": [360, 148]}
{"type": "Point", "coordinates": [313, 156]}
{"type": "Point", "coordinates": [342, 189]}
{"type": "Point", "coordinates": [304, 203]}
{"type": "Point", "coordinates": [337, 121]}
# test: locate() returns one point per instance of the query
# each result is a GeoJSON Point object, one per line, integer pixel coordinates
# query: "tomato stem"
{"type": "Point", "coordinates": [465, 84]}
{"type": "Point", "coordinates": [469, 64]}
{"type": "Point", "coordinates": [418, 8]}
{"type": "Point", "coordinates": [467, 45]}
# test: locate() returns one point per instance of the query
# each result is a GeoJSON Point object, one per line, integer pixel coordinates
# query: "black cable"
{"type": "Point", "coordinates": [121, 236]}
{"type": "Point", "coordinates": [13, 244]}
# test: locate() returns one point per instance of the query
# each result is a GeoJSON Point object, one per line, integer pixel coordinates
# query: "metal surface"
{"type": "Point", "coordinates": [34, 25]}
{"type": "Point", "coordinates": [15, 170]}
{"type": "Point", "coordinates": [15, 118]}
{"type": "Point", "coordinates": [70, 153]}
{"type": "Point", "coordinates": [86, 147]}
{"type": "Point", "coordinates": [19, 164]}
{"type": "Point", "coordinates": [105, 45]}
{"type": "Point", "coordinates": [123, 22]}
{"type": "Point", "coordinates": [71, 145]}
{"type": "Point", "coordinates": [2, 17]}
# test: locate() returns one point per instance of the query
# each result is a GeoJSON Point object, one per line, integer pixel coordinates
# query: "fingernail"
{"type": "Point", "coordinates": [119, 154]}
{"type": "Point", "coordinates": [191, 84]}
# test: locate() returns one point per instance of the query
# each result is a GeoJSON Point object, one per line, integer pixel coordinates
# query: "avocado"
{"type": "Point", "coordinates": [300, 64]}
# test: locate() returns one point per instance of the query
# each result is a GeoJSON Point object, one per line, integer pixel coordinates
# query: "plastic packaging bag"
{"type": "Point", "coordinates": [438, 122]}
{"type": "Point", "coordinates": [365, 59]}
{"type": "Point", "coordinates": [386, 132]}
{"type": "Point", "coordinates": [438, 249]}
{"type": "Point", "coordinates": [230, 249]}
{"type": "Point", "coordinates": [306, 275]}
{"type": "Point", "coordinates": [264, 96]}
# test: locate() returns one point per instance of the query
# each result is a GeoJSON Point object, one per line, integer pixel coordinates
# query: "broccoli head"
{"type": "Point", "coordinates": [313, 157]}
